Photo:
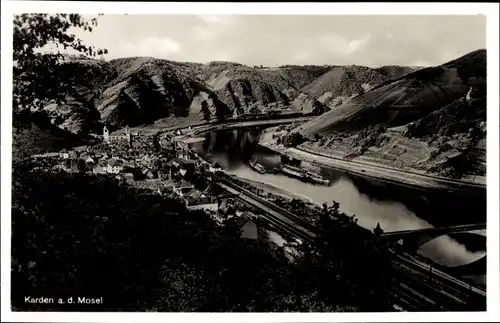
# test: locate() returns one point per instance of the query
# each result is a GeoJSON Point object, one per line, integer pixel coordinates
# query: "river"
{"type": "Point", "coordinates": [394, 207]}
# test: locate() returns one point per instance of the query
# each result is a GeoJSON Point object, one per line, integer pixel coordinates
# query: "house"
{"type": "Point", "coordinates": [73, 165]}
{"type": "Point", "coordinates": [64, 153]}
{"type": "Point", "coordinates": [114, 166]}
{"type": "Point", "coordinates": [168, 187]}
{"type": "Point", "coordinates": [209, 190]}
{"type": "Point", "coordinates": [196, 200]}
{"type": "Point", "coordinates": [129, 163]}
{"type": "Point", "coordinates": [225, 208]}
{"type": "Point", "coordinates": [99, 169]}
{"type": "Point", "coordinates": [47, 155]}
{"type": "Point", "coordinates": [182, 187]}
{"type": "Point", "coordinates": [127, 177]}
{"type": "Point", "coordinates": [248, 228]}
{"type": "Point", "coordinates": [246, 224]}
{"type": "Point", "coordinates": [148, 173]}
{"type": "Point", "coordinates": [162, 175]}
{"type": "Point", "coordinates": [89, 160]}
{"type": "Point", "coordinates": [80, 149]}
{"type": "Point", "coordinates": [170, 184]}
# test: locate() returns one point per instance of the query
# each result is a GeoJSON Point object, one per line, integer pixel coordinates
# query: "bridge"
{"type": "Point", "coordinates": [411, 240]}
{"type": "Point", "coordinates": [417, 286]}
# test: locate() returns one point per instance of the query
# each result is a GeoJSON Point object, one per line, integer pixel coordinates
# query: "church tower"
{"type": "Point", "coordinates": [128, 135]}
{"type": "Point", "coordinates": [377, 232]}
{"type": "Point", "coordinates": [105, 133]}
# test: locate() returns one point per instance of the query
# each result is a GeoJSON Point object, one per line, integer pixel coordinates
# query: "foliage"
{"type": "Point", "coordinates": [346, 261]}
{"type": "Point", "coordinates": [366, 138]}
{"type": "Point", "coordinates": [456, 118]}
{"type": "Point", "coordinates": [205, 110]}
{"type": "Point", "coordinates": [254, 110]}
{"type": "Point", "coordinates": [293, 139]}
{"type": "Point", "coordinates": [38, 76]}
{"type": "Point", "coordinates": [92, 236]}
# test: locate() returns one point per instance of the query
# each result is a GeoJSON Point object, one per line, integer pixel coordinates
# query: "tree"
{"type": "Point", "coordinates": [205, 110]}
{"type": "Point", "coordinates": [39, 76]}
{"type": "Point", "coordinates": [293, 139]}
{"type": "Point", "coordinates": [254, 110]}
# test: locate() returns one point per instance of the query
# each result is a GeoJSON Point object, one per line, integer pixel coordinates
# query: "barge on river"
{"type": "Point", "coordinates": [304, 175]}
{"type": "Point", "coordinates": [257, 167]}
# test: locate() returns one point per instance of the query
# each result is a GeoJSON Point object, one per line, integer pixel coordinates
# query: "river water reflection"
{"type": "Point", "coordinates": [393, 207]}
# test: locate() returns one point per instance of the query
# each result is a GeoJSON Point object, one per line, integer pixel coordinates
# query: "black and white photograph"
{"type": "Point", "coordinates": [241, 162]}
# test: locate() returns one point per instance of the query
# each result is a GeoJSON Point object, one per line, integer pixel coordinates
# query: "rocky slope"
{"type": "Point", "coordinates": [78, 114]}
{"type": "Point", "coordinates": [141, 90]}
{"type": "Point", "coordinates": [342, 83]}
{"type": "Point", "coordinates": [395, 71]}
{"type": "Point", "coordinates": [41, 136]}
{"type": "Point", "coordinates": [431, 120]}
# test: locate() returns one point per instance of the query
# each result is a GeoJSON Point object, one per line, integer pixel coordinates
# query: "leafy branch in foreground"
{"type": "Point", "coordinates": [37, 76]}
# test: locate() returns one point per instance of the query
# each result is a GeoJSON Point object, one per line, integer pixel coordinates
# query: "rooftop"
{"type": "Point", "coordinates": [183, 184]}
{"type": "Point", "coordinates": [115, 162]}
{"type": "Point", "coordinates": [194, 194]}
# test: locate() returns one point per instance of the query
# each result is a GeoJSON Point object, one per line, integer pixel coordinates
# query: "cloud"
{"type": "Point", "coordinates": [302, 55]}
{"type": "Point", "coordinates": [389, 35]}
{"type": "Point", "coordinates": [202, 33]}
{"type": "Point", "coordinates": [214, 20]}
{"type": "Point", "coordinates": [161, 47]}
{"type": "Point", "coordinates": [210, 19]}
{"type": "Point", "coordinates": [357, 44]}
{"type": "Point", "coordinates": [276, 40]}
{"type": "Point", "coordinates": [420, 63]}
{"type": "Point", "coordinates": [343, 46]}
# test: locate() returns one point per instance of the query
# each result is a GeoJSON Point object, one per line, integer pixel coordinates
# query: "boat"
{"type": "Point", "coordinates": [257, 167]}
{"type": "Point", "coordinates": [317, 179]}
{"type": "Point", "coordinates": [293, 171]}
{"type": "Point", "coordinates": [304, 175]}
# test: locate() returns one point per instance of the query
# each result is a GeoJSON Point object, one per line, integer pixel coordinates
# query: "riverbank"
{"type": "Point", "coordinates": [273, 190]}
{"type": "Point", "coordinates": [374, 170]}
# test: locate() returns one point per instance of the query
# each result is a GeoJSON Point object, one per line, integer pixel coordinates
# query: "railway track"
{"type": "Point", "coordinates": [418, 287]}
{"type": "Point", "coordinates": [273, 214]}
{"type": "Point", "coordinates": [447, 293]}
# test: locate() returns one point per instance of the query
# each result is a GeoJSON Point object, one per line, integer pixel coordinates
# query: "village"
{"type": "Point", "coordinates": [167, 168]}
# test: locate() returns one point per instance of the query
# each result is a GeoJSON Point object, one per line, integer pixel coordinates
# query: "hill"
{"type": "Point", "coordinates": [395, 71]}
{"type": "Point", "coordinates": [342, 83]}
{"type": "Point", "coordinates": [141, 90]}
{"type": "Point", "coordinates": [430, 120]}
{"type": "Point", "coordinates": [40, 137]}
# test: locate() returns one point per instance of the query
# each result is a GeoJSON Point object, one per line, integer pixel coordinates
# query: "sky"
{"type": "Point", "coordinates": [273, 40]}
